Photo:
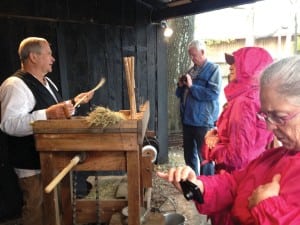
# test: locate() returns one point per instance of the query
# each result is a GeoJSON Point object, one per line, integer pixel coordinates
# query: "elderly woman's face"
{"type": "Point", "coordinates": [284, 117]}
{"type": "Point", "coordinates": [232, 73]}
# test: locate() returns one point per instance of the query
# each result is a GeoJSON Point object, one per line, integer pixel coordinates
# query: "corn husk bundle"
{"type": "Point", "coordinates": [104, 117]}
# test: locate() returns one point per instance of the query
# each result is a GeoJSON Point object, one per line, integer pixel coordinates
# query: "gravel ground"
{"type": "Point", "coordinates": [165, 198]}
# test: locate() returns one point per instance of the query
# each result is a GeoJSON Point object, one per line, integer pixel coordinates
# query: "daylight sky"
{"type": "Point", "coordinates": [263, 18]}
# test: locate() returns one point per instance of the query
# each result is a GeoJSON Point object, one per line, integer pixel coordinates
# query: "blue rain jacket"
{"type": "Point", "coordinates": [199, 104]}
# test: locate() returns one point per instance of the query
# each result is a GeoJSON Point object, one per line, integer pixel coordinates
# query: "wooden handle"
{"type": "Point", "coordinates": [133, 105]}
{"type": "Point", "coordinates": [129, 71]}
{"type": "Point", "coordinates": [99, 85]}
{"type": "Point", "coordinates": [62, 174]}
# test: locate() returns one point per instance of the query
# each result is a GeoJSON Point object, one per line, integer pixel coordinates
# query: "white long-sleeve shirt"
{"type": "Point", "coordinates": [17, 101]}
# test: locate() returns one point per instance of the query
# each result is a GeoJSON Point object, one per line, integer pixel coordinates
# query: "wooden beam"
{"type": "Point", "coordinates": [195, 7]}
{"type": "Point", "coordinates": [118, 12]}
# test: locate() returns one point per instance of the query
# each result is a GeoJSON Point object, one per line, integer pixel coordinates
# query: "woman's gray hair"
{"type": "Point", "coordinates": [30, 44]}
{"type": "Point", "coordinates": [284, 76]}
{"type": "Point", "coordinates": [199, 45]}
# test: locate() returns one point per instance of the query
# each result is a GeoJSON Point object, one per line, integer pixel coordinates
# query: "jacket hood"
{"type": "Point", "coordinates": [249, 64]}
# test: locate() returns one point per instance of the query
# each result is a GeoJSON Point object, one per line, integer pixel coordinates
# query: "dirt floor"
{"type": "Point", "coordinates": [165, 198]}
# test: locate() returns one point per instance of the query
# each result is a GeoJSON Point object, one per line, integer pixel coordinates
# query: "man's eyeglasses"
{"type": "Point", "coordinates": [275, 120]}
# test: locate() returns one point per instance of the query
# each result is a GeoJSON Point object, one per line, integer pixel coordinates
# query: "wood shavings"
{"type": "Point", "coordinates": [104, 117]}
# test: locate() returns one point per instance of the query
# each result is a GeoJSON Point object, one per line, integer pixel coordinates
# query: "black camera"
{"type": "Point", "coordinates": [191, 191]}
{"type": "Point", "coordinates": [183, 78]}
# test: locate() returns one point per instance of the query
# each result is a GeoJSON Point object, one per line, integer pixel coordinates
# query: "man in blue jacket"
{"type": "Point", "coordinates": [198, 91]}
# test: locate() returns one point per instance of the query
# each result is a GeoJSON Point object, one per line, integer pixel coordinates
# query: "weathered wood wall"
{"type": "Point", "coordinates": [89, 40]}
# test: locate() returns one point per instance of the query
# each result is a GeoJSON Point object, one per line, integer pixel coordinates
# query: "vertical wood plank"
{"type": "Point", "coordinates": [51, 209]}
{"type": "Point", "coordinates": [113, 63]}
{"type": "Point", "coordinates": [162, 98]}
{"type": "Point", "coordinates": [146, 175]}
{"type": "Point", "coordinates": [134, 196]}
{"type": "Point", "coordinates": [62, 61]}
{"type": "Point", "coordinates": [141, 55]}
{"type": "Point", "coordinates": [66, 201]}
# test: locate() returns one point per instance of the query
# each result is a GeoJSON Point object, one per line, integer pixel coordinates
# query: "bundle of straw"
{"type": "Point", "coordinates": [129, 71]}
{"type": "Point", "coordinates": [104, 117]}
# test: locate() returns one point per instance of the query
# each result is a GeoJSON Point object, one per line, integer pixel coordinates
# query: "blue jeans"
{"type": "Point", "coordinates": [208, 169]}
{"type": "Point", "coordinates": [193, 138]}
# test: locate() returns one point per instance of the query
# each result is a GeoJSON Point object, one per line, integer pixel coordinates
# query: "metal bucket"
{"type": "Point", "coordinates": [174, 219]}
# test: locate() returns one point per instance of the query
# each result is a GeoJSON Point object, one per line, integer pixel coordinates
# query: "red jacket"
{"type": "Point", "coordinates": [229, 192]}
{"type": "Point", "coordinates": [242, 135]}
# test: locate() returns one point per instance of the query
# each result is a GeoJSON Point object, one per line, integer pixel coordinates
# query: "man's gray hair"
{"type": "Point", "coordinates": [28, 45]}
{"type": "Point", "coordinates": [284, 76]}
{"type": "Point", "coordinates": [199, 45]}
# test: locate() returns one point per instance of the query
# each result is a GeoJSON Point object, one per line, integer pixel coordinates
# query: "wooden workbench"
{"type": "Point", "coordinates": [116, 147]}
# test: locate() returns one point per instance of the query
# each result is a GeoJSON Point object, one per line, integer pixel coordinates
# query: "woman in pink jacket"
{"type": "Point", "coordinates": [240, 136]}
{"type": "Point", "coordinates": [267, 191]}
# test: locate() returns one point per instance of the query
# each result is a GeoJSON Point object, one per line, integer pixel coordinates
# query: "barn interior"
{"type": "Point", "coordinates": [90, 40]}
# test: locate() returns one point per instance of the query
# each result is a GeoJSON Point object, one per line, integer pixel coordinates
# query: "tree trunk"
{"type": "Point", "coordinates": [178, 63]}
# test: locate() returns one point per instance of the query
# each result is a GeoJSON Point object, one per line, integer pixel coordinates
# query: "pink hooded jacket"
{"type": "Point", "coordinates": [229, 193]}
{"type": "Point", "coordinates": [242, 135]}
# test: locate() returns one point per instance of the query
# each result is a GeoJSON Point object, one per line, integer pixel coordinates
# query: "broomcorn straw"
{"type": "Point", "coordinates": [104, 117]}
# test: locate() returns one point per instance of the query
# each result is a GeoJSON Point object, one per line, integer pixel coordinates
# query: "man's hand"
{"type": "Point", "coordinates": [189, 81]}
{"type": "Point", "coordinates": [265, 191]}
{"type": "Point", "coordinates": [84, 97]}
{"type": "Point", "coordinates": [181, 81]}
{"type": "Point", "coordinates": [61, 110]}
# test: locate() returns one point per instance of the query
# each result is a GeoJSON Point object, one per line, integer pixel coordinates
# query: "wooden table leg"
{"type": "Point", "coordinates": [66, 201]}
{"type": "Point", "coordinates": [134, 196]}
{"type": "Point", "coordinates": [50, 201]}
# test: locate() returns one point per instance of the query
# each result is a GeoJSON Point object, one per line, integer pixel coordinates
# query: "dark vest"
{"type": "Point", "coordinates": [22, 151]}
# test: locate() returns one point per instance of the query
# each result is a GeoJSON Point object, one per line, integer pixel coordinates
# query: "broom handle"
{"type": "Point", "coordinates": [62, 174]}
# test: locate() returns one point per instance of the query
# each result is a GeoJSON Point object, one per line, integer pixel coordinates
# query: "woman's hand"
{"type": "Point", "coordinates": [212, 141]}
{"type": "Point", "coordinates": [211, 138]}
{"type": "Point", "coordinates": [265, 191]}
{"type": "Point", "coordinates": [175, 175]}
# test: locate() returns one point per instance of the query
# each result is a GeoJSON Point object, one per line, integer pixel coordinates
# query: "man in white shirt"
{"type": "Point", "coordinates": [26, 96]}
